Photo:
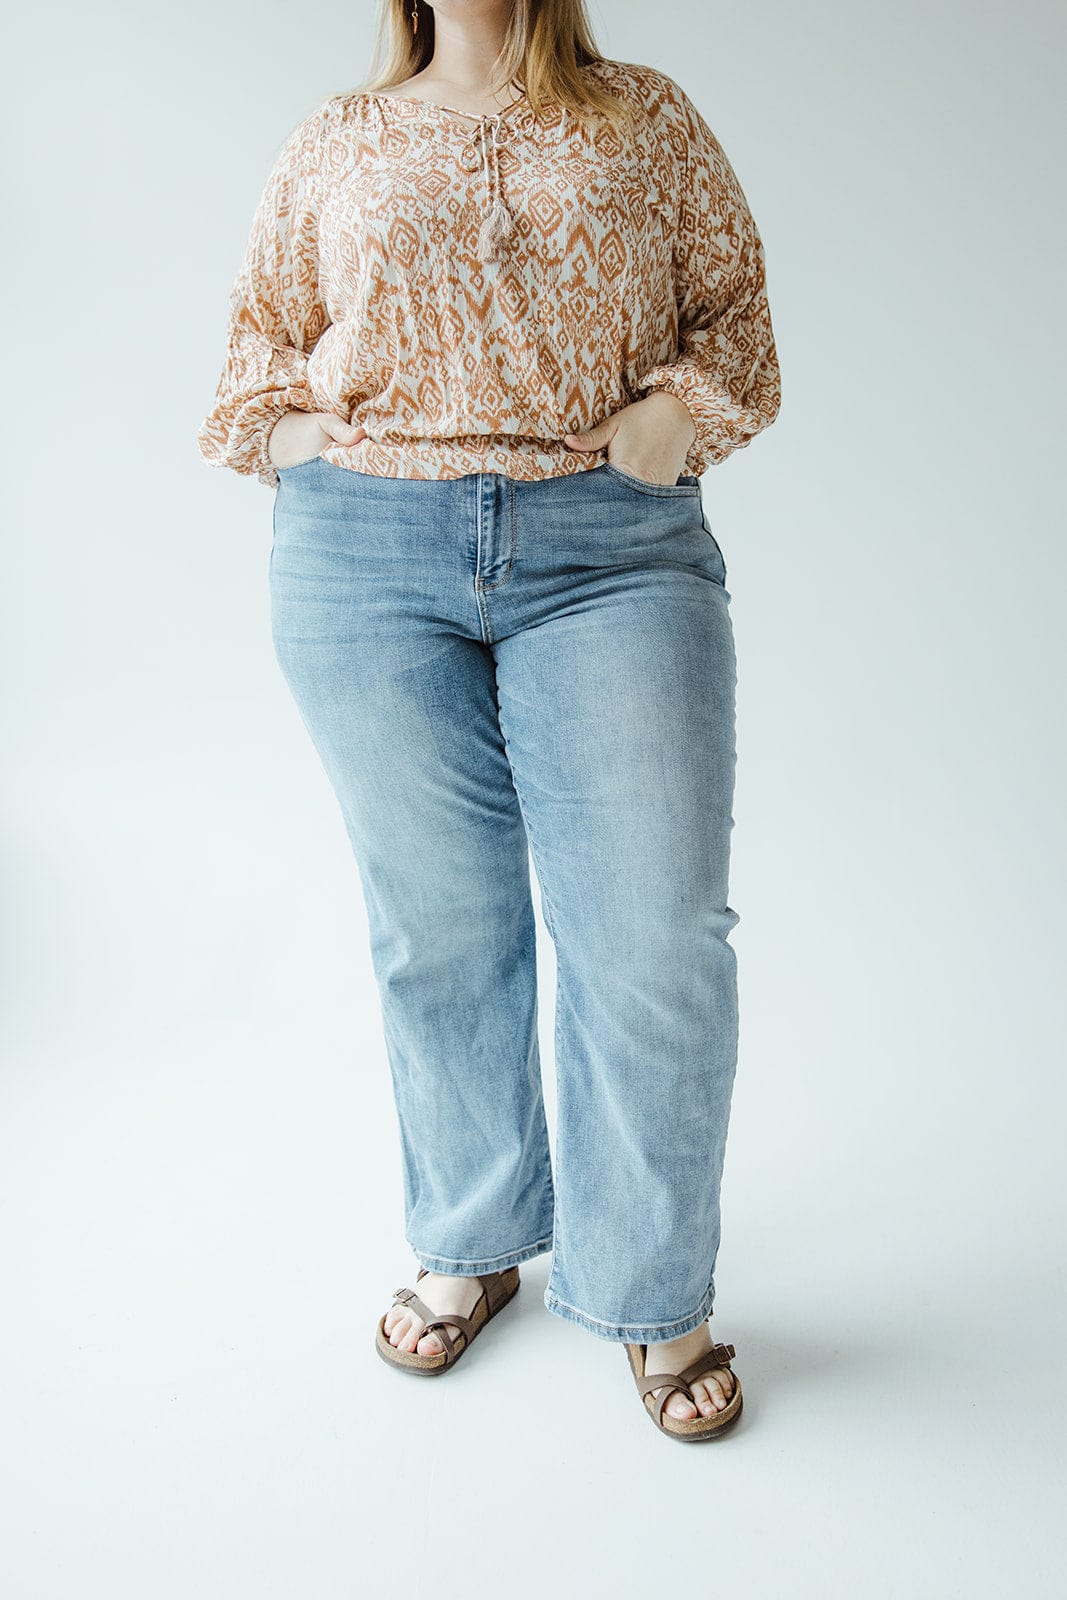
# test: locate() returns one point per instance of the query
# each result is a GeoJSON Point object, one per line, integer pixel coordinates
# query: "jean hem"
{"type": "Point", "coordinates": [471, 1269]}
{"type": "Point", "coordinates": [633, 1333]}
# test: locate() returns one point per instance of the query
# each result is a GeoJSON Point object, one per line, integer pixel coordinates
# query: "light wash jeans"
{"type": "Point", "coordinates": [485, 666]}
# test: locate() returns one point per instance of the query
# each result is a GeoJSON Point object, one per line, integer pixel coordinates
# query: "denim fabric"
{"type": "Point", "coordinates": [485, 665]}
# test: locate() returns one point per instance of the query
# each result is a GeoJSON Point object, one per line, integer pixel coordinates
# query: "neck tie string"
{"type": "Point", "coordinates": [499, 222]}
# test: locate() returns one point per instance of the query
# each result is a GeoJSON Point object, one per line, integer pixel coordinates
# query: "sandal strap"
{"type": "Point", "coordinates": [437, 1324]}
{"type": "Point", "coordinates": [492, 1287]}
{"type": "Point", "coordinates": [464, 1324]}
{"type": "Point", "coordinates": [492, 1291]}
{"type": "Point", "coordinates": [656, 1380]}
{"type": "Point", "coordinates": [495, 1292]}
{"type": "Point", "coordinates": [718, 1356]}
{"type": "Point", "coordinates": [408, 1297]}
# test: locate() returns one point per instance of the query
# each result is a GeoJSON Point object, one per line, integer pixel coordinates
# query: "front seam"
{"type": "Point", "coordinates": [512, 518]}
{"type": "Point", "coordinates": [479, 586]}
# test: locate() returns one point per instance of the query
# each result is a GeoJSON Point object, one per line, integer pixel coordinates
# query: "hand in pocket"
{"type": "Point", "coordinates": [300, 436]}
{"type": "Point", "coordinates": [649, 439]}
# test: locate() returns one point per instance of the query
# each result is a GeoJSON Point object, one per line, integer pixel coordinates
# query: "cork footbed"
{"type": "Point", "coordinates": [693, 1429]}
{"type": "Point", "coordinates": [498, 1289]}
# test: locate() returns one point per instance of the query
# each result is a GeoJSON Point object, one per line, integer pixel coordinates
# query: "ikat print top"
{"type": "Point", "coordinates": [469, 289]}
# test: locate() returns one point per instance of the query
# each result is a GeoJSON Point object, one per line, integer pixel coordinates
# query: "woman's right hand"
{"type": "Point", "coordinates": [299, 436]}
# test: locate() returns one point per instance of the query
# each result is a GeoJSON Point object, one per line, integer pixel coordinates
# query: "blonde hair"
{"type": "Point", "coordinates": [547, 45]}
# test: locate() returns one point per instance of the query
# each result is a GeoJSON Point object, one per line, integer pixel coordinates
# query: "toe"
{"type": "Point", "coordinates": [430, 1345]}
{"type": "Point", "coordinates": [679, 1405]}
{"type": "Point", "coordinates": [398, 1328]}
{"type": "Point", "coordinates": [397, 1319]}
{"type": "Point", "coordinates": [409, 1335]}
{"type": "Point", "coordinates": [712, 1398]}
{"type": "Point", "coordinates": [718, 1387]}
{"type": "Point", "coordinates": [705, 1399]}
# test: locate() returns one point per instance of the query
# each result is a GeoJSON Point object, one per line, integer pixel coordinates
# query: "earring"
{"type": "Point", "coordinates": [415, 17]}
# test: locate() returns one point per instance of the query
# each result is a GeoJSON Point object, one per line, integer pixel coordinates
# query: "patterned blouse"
{"type": "Point", "coordinates": [470, 288]}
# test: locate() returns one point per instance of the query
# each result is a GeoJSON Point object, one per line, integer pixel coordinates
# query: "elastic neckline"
{"type": "Point", "coordinates": [522, 103]}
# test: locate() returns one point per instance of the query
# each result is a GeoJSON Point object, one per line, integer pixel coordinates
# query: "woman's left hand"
{"type": "Point", "coordinates": [649, 439]}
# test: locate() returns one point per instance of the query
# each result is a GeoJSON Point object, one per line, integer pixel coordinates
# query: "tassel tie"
{"type": "Point", "coordinates": [499, 222]}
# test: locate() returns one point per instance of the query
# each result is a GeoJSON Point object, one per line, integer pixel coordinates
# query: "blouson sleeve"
{"type": "Point", "coordinates": [276, 315]}
{"type": "Point", "coordinates": [727, 370]}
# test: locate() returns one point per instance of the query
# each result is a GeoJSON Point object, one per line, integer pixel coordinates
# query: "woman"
{"type": "Point", "coordinates": [498, 312]}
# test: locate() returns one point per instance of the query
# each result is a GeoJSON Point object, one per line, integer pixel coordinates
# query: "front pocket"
{"type": "Point", "coordinates": [685, 485]}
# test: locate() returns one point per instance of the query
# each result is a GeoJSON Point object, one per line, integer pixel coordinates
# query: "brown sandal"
{"type": "Point", "coordinates": [691, 1428]}
{"type": "Point", "coordinates": [497, 1289]}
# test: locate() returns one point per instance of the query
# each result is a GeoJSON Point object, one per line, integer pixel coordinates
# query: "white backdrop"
{"type": "Point", "coordinates": [199, 1164]}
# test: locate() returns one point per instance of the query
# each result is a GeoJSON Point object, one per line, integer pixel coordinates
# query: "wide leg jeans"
{"type": "Point", "coordinates": [491, 669]}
